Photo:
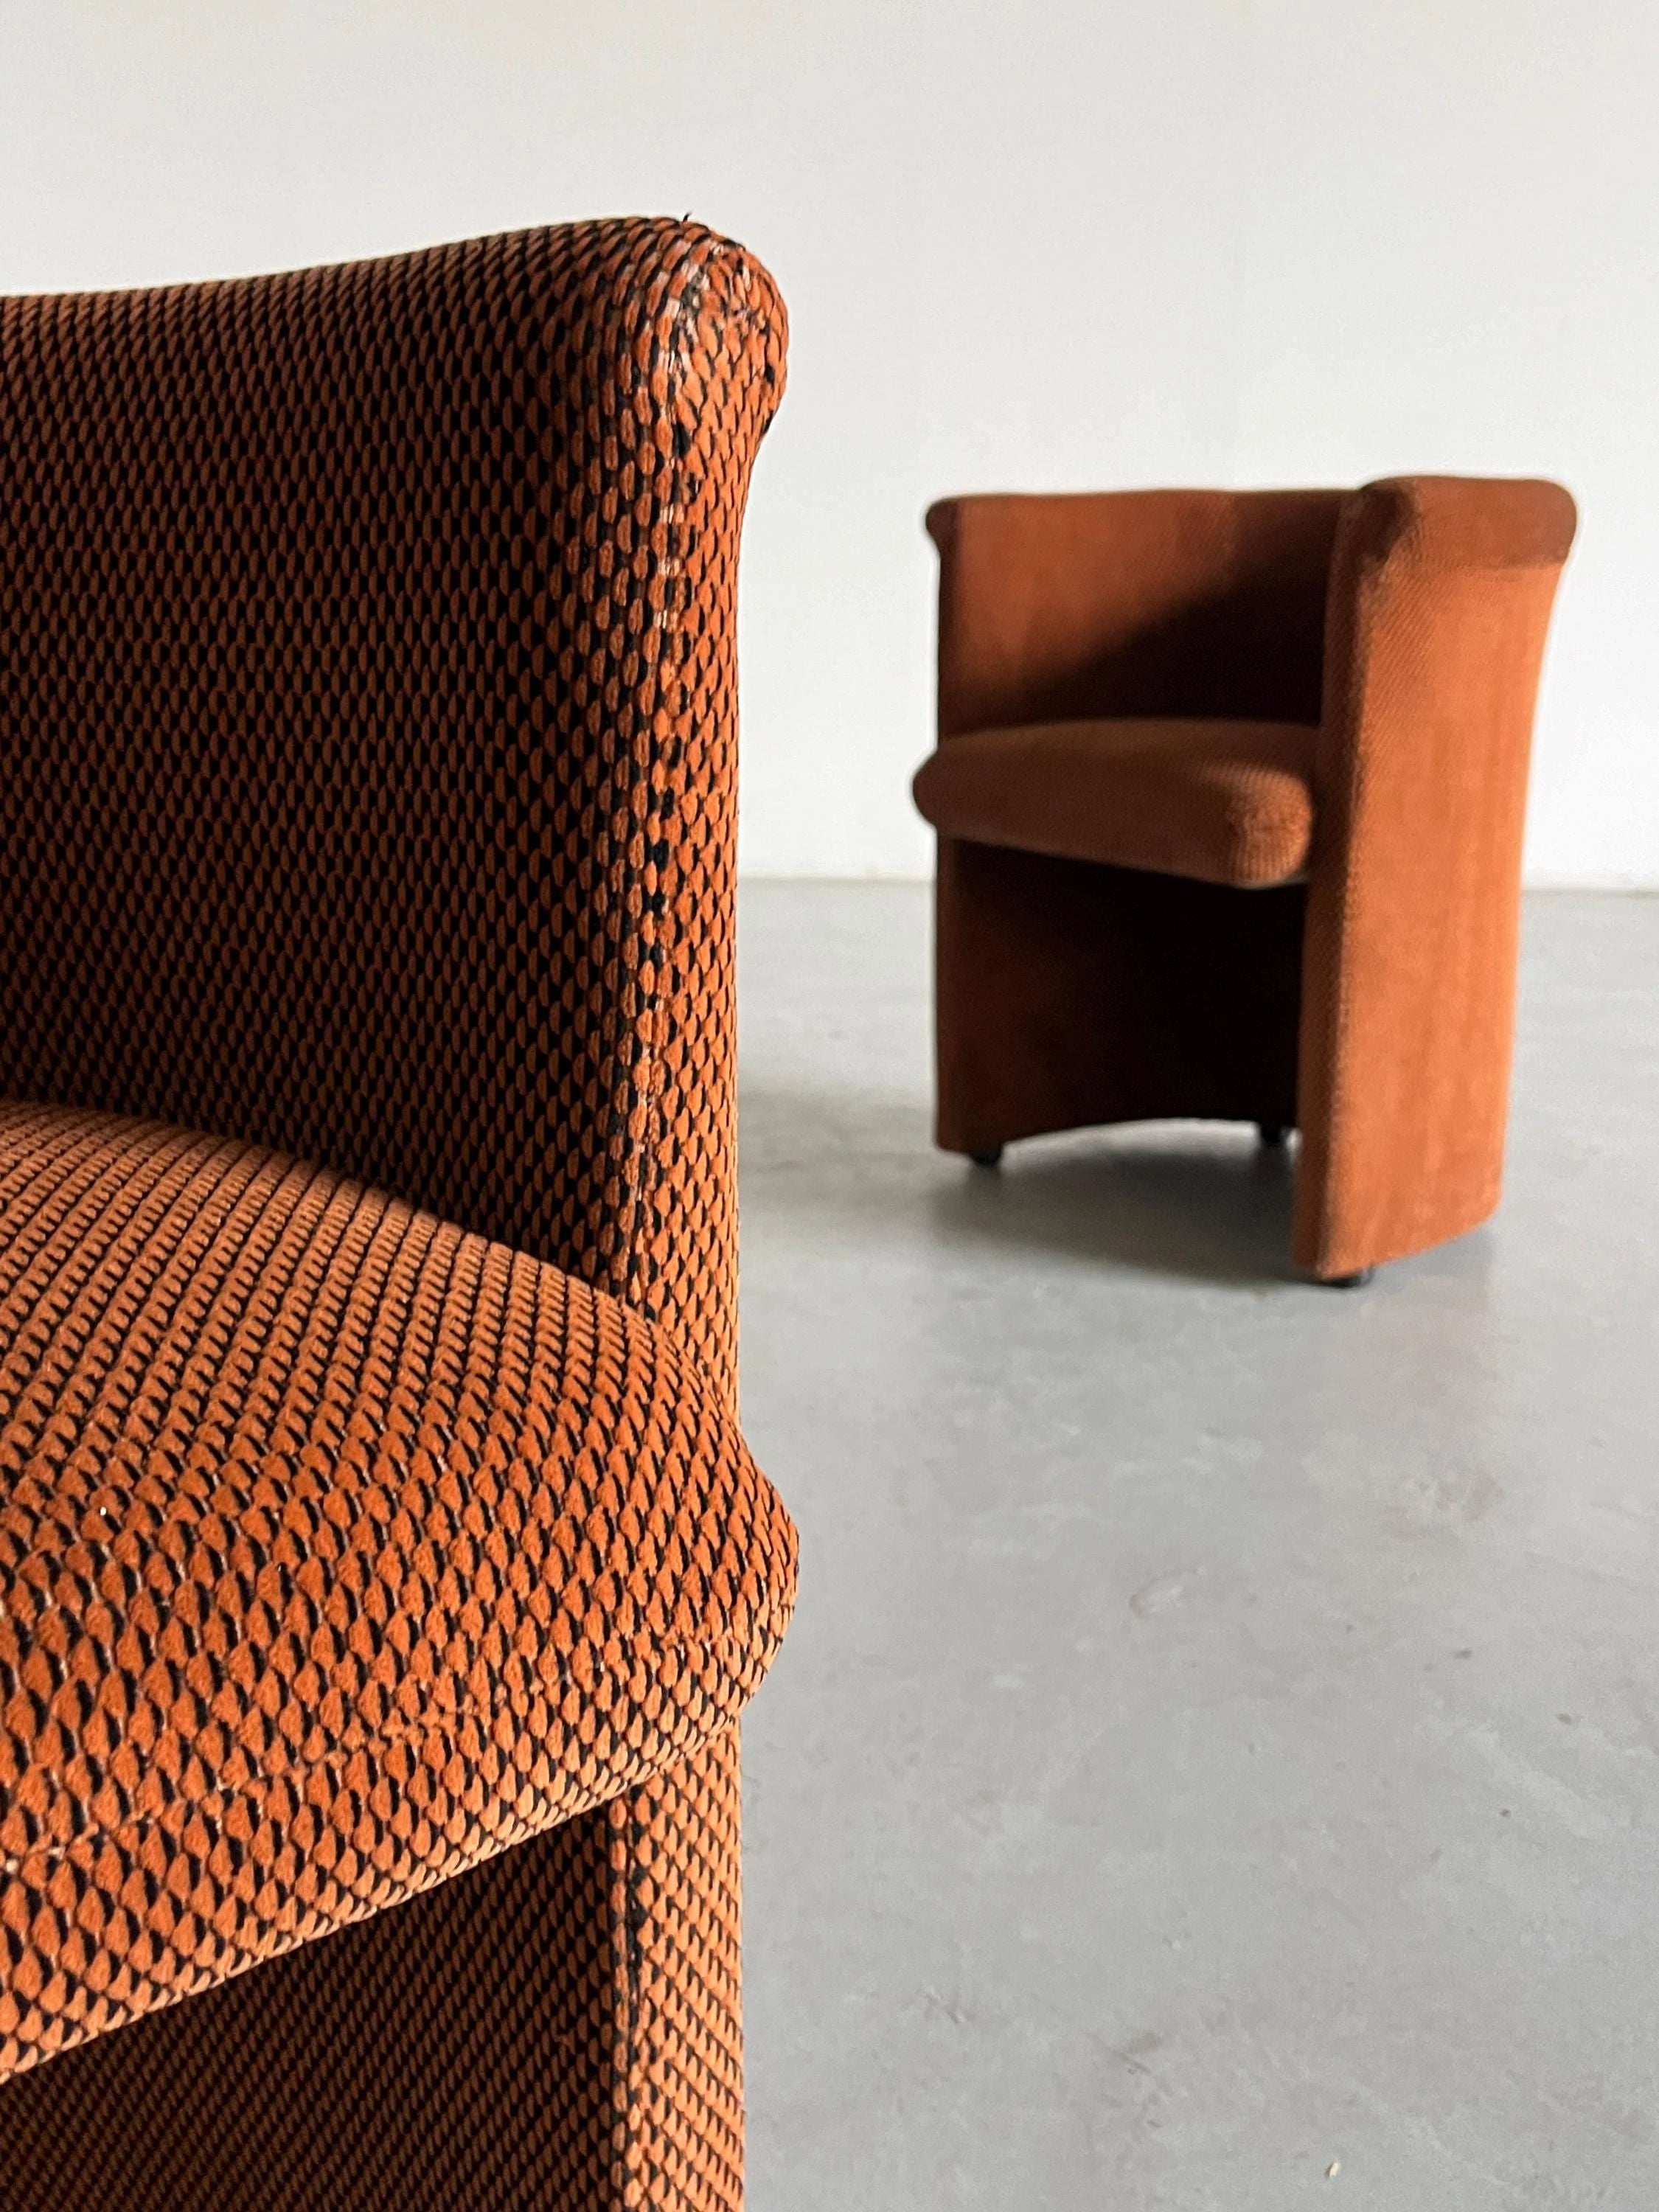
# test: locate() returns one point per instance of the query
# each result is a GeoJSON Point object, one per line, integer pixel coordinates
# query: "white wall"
{"type": "Point", "coordinates": [1071, 242]}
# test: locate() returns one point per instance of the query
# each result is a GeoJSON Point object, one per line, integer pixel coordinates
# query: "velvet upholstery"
{"type": "Point", "coordinates": [382, 1571]}
{"type": "Point", "coordinates": [1119, 937]}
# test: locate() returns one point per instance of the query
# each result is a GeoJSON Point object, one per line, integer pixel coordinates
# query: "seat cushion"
{"type": "Point", "coordinates": [1225, 802]}
{"type": "Point", "coordinates": [339, 1550]}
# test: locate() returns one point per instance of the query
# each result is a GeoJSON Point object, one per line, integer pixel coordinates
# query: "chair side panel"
{"type": "Point", "coordinates": [1442, 596]}
{"type": "Point", "coordinates": [367, 717]}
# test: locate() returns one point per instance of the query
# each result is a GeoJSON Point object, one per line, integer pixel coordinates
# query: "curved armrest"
{"type": "Point", "coordinates": [1440, 599]}
{"type": "Point", "coordinates": [368, 725]}
{"type": "Point", "coordinates": [339, 1549]}
{"type": "Point", "coordinates": [1065, 606]}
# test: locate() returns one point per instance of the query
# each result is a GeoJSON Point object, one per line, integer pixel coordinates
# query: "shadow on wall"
{"type": "Point", "coordinates": [1188, 1200]}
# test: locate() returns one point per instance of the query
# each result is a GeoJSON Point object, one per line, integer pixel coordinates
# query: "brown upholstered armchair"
{"type": "Point", "coordinates": [381, 1569]}
{"type": "Point", "coordinates": [1229, 791]}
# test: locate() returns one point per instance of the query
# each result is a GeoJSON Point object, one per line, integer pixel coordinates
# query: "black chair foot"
{"type": "Point", "coordinates": [1356, 1281]}
{"type": "Point", "coordinates": [990, 1158]}
{"type": "Point", "coordinates": [1271, 1133]}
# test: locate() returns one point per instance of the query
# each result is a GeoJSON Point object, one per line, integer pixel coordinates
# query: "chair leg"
{"type": "Point", "coordinates": [1271, 1136]}
{"type": "Point", "coordinates": [1356, 1281]}
{"type": "Point", "coordinates": [990, 1158]}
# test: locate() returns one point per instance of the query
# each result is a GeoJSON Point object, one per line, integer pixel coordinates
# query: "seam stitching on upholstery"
{"type": "Point", "coordinates": [468, 1707]}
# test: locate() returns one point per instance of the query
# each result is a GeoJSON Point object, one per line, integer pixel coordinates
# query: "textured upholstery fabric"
{"type": "Point", "coordinates": [1223, 802]}
{"type": "Point", "coordinates": [1407, 622]}
{"type": "Point", "coordinates": [1440, 603]}
{"type": "Point", "coordinates": [339, 1549]}
{"type": "Point", "coordinates": [1071, 606]}
{"type": "Point", "coordinates": [367, 722]}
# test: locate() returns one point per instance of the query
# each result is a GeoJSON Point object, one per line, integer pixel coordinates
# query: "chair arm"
{"type": "Point", "coordinates": [367, 727]}
{"type": "Point", "coordinates": [1064, 606]}
{"type": "Point", "coordinates": [339, 1549]}
{"type": "Point", "coordinates": [1440, 599]}
{"type": "Point", "coordinates": [1440, 595]}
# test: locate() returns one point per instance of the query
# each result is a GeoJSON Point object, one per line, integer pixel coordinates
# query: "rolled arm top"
{"type": "Point", "coordinates": [339, 1549]}
{"type": "Point", "coordinates": [1454, 522]}
{"type": "Point", "coordinates": [1440, 597]}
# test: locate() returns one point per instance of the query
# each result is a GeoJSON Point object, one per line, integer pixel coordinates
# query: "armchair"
{"type": "Point", "coordinates": [381, 1569]}
{"type": "Point", "coordinates": [1229, 791]}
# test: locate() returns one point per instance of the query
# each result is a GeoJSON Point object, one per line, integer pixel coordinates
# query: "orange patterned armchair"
{"type": "Point", "coordinates": [380, 1559]}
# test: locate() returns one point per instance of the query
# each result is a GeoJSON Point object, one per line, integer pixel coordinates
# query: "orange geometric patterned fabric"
{"type": "Point", "coordinates": [367, 723]}
{"type": "Point", "coordinates": [339, 1548]}
{"type": "Point", "coordinates": [369, 712]}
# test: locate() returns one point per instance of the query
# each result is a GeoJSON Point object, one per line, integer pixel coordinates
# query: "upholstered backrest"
{"type": "Point", "coordinates": [367, 714]}
{"type": "Point", "coordinates": [1061, 607]}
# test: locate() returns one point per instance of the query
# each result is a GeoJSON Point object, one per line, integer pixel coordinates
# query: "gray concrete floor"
{"type": "Point", "coordinates": [1219, 1737]}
